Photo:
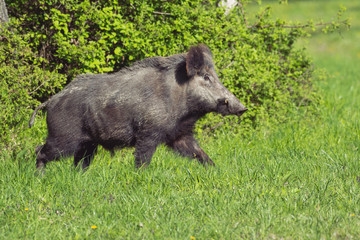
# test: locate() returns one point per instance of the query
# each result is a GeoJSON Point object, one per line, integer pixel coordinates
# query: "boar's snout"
{"type": "Point", "coordinates": [231, 106]}
{"type": "Point", "coordinates": [240, 110]}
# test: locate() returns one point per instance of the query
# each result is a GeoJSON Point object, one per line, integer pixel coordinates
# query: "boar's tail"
{"type": "Point", "coordinates": [32, 119]}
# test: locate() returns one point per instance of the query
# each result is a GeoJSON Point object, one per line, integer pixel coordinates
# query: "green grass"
{"type": "Point", "coordinates": [296, 181]}
{"type": "Point", "coordinates": [299, 180]}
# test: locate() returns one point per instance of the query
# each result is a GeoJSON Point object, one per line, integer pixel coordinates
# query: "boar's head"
{"type": "Point", "coordinates": [205, 91]}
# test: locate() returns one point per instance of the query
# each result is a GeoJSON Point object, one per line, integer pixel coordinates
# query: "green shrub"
{"type": "Point", "coordinates": [258, 63]}
{"type": "Point", "coordinates": [22, 82]}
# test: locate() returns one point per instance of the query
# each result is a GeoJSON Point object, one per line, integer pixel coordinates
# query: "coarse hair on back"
{"type": "Point", "coordinates": [159, 63]}
{"type": "Point", "coordinates": [195, 57]}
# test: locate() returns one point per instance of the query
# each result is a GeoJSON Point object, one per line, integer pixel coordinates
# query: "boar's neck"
{"type": "Point", "coordinates": [185, 125]}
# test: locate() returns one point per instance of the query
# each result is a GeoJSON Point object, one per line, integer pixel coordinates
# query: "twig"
{"type": "Point", "coordinates": [32, 92]}
{"type": "Point", "coordinates": [232, 62]}
{"type": "Point", "coordinates": [243, 14]}
{"type": "Point", "coordinates": [260, 17]}
{"type": "Point", "coordinates": [162, 13]}
{"type": "Point", "coordinates": [216, 126]}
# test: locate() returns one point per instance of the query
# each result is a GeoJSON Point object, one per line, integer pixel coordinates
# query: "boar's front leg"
{"type": "Point", "coordinates": [144, 150]}
{"type": "Point", "coordinates": [187, 146]}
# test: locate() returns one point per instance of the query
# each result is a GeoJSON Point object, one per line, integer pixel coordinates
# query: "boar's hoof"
{"type": "Point", "coordinates": [40, 165]}
{"type": "Point", "coordinates": [141, 165]}
{"type": "Point", "coordinates": [209, 162]}
{"type": "Point", "coordinates": [40, 172]}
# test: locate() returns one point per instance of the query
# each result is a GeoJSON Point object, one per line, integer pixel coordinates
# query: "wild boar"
{"type": "Point", "coordinates": [154, 101]}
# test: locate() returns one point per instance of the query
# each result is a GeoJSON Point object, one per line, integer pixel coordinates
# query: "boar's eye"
{"type": "Point", "coordinates": [207, 77]}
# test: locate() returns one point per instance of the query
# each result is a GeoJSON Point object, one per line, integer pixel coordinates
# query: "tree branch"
{"type": "Point", "coordinates": [4, 17]}
{"type": "Point", "coordinates": [257, 24]}
{"type": "Point", "coordinates": [295, 26]}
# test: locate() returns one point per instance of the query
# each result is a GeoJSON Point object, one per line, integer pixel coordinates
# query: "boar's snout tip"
{"type": "Point", "coordinates": [242, 111]}
{"type": "Point", "coordinates": [228, 106]}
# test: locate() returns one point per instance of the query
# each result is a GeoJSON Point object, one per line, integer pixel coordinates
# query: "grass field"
{"type": "Point", "coordinates": [299, 180]}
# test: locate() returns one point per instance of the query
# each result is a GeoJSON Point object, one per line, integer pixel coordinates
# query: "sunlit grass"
{"type": "Point", "coordinates": [299, 179]}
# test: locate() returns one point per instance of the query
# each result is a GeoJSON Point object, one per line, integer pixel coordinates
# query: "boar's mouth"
{"type": "Point", "coordinates": [225, 107]}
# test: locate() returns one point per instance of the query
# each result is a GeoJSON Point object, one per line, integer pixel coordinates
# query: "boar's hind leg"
{"type": "Point", "coordinates": [188, 147]}
{"type": "Point", "coordinates": [86, 152]}
{"type": "Point", "coordinates": [45, 153]}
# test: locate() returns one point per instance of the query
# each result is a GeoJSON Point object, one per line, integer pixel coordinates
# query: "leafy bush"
{"type": "Point", "coordinates": [22, 82]}
{"type": "Point", "coordinates": [258, 63]}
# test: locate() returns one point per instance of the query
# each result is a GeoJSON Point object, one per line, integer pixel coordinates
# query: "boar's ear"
{"type": "Point", "coordinates": [194, 60]}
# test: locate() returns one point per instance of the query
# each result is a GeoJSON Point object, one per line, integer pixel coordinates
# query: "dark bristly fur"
{"type": "Point", "coordinates": [156, 100]}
